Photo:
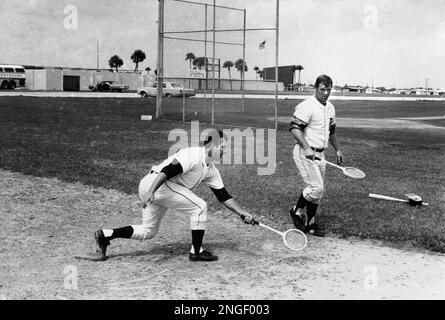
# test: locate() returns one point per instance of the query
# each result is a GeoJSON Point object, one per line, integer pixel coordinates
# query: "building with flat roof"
{"type": "Point", "coordinates": [79, 79]}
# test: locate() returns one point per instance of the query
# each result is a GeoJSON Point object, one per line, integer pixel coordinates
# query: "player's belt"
{"type": "Point", "coordinates": [317, 150]}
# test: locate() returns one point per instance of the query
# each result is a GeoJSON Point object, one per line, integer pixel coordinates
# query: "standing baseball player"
{"type": "Point", "coordinates": [169, 186]}
{"type": "Point", "coordinates": [313, 127]}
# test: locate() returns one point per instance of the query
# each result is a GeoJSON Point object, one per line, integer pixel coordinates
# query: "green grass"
{"type": "Point", "coordinates": [103, 142]}
{"type": "Point", "coordinates": [260, 112]}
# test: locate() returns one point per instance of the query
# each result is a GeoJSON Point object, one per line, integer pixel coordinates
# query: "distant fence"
{"type": "Point", "coordinates": [225, 84]}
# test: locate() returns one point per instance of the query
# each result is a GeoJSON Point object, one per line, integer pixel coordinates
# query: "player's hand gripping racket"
{"type": "Point", "coordinates": [349, 171]}
{"type": "Point", "coordinates": [294, 239]}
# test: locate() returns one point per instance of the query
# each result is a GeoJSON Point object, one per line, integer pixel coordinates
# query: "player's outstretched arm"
{"type": "Point", "coordinates": [233, 205]}
{"type": "Point", "coordinates": [227, 200]}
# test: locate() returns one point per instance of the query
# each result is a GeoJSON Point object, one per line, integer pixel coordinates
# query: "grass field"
{"type": "Point", "coordinates": [103, 142]}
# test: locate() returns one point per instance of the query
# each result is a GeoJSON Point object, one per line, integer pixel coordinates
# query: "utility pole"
{"type": "Point", "coordinates": [277, 36]}
{"type": "Point", "coordinates": [98, 54]}
{"type": "Point", "coordinates": [213, 62]}
{"type": "Point", "coordinates": [243, 77]}
{"type": "Point", "coordinates": [160, 64]}
{"type": "Point", "coordinates": [426, 84]}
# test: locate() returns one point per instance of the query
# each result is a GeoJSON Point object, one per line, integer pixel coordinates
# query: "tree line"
{"type": "Point", "coordinates": [138, 56]}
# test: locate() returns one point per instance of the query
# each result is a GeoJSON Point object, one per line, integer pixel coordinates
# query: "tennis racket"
{"type": "Point", "coordinates": [294, 239]}
{"type": "Point", "coordinates": [348, 171]}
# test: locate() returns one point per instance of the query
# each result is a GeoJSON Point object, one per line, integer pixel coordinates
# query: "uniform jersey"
{"type": "Point", "coordinates": [194, 169]}
{"type": "Point", "coordinates": [316, 120]}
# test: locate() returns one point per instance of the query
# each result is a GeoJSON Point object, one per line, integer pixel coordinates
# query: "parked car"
{"type": "Point", "coordinates": [169, 89]}
{"type": "Point", "coordinates": [109, 86]}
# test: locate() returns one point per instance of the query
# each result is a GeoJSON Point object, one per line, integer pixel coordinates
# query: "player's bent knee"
{"type": "Point", "coordinates": [318, 192]}
{"type": "Point", "coordinates": [314, 193]}
{"type": "Point", "coordinates": [142, 232]}
{"type": "Point", "coordinates": [199, 218]}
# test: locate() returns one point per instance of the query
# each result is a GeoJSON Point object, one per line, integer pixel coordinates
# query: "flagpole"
{"type": "Point", "coordinates": [276, 61]}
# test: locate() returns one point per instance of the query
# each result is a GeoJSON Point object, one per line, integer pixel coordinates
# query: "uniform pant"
{"type": "Point", "coordinates": [313, 174]}
{"type": "Point", "coordinates": [168, 196]}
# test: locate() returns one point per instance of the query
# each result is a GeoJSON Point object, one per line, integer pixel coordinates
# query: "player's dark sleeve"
{"type": "Point", "coordinates": [332, 128]}
{"type": "Point", "coordinates": [221, 194]}
{"type": "Point", "coordinates": [173, 169]}
{"type": "Point", "coordinates": [297, 124]}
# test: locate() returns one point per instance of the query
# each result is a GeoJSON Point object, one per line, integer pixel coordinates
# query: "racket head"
{"type": "Point", "coordinates": [353, 172]}
{"type": "Point", "coordinates": [295, 239]}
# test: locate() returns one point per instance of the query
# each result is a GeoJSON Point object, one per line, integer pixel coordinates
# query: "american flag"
{"type": "Point", "coordinates": [262, 45]}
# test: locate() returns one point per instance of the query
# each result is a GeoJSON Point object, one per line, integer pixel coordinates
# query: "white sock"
{"type": "Point", "coordinates": [107, 232]}
{"type": "Point", "coordinates": [299, 212]}
{"type": "Point", "coordinates": [192, 250]}
{"type": "Point", "coordinates": [312, 221]}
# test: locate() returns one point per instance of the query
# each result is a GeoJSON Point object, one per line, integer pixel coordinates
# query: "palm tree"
{"type": "Point", "coordinates": [229, 64]}
{"type": "Point", "coordinates": [199, 62]}
{"type": "Point", "coordinates": [256, 71]}
{"type": "Point", "coordinates": [239, 66]}
{"type": "Point", "coordinates": [116, 62]}
{"type": "Point", "coordinates": [138, 56]}
{"type": "Point", "coordinates": [191, 57]}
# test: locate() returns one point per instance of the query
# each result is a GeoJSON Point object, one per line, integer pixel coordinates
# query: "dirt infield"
{"type": "Point", "coordinates": [47, 222]}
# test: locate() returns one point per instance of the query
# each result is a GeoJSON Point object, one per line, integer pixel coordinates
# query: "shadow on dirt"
{"type": "Point", "coordinates": [169, 251]}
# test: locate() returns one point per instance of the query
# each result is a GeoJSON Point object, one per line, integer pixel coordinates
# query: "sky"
{"type": "Point", "coordinates": [390, 43]}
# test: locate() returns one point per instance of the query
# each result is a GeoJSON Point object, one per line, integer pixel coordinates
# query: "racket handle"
{"type": "Point", "coordinates": [334, 165]}
{"type": "Point", "coordinates": [325, 161]}
{"type": "Point", "coordinates": [252, 222]}
{"type": "Point", "coordinates": [383, 197]}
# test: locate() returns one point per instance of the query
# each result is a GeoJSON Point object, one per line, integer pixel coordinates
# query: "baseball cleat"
{"type": "Point", "coordinates": [102, 243]}
{"type": "Point", "coordinates": [299, 221]}
{"type": "Point", "coordinates": [203, 256]}
{"type": "Point", "coordinates": [314, 230]}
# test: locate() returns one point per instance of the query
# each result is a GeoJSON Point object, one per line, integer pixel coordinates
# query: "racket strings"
{"type": "Point", "coordinates": [354, 173]}
{"type": "Point", "coordinates": [295, 239]}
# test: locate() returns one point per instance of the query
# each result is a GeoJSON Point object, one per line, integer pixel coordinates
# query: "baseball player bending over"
{"type": "Point", "coordinates": [168, 186]}
{"type": "Point", "coordinates": [313, 127]}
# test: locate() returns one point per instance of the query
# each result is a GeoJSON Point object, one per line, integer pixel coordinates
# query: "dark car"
{"type": "Point", "coordinates": [109, 86]}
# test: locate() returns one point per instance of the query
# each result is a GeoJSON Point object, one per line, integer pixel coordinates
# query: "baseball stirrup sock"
{"type": "Point", "coordinates": [302, 202]}
{"type": "Point", "coordinates": [311, 210]}
{"type": "Point", "coordinates": [197, 236]}
{"type": "Point", "coordinates": [125, 232]}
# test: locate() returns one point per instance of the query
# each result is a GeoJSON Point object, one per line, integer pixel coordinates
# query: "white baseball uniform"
{"type": "Point", "coordinates": [176, 192]}
{"type": "Point", "coordinates": [316, 120]}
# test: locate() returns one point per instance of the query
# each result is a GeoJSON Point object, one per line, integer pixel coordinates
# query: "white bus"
{"type": "Point", "coordinates": [12, 76]}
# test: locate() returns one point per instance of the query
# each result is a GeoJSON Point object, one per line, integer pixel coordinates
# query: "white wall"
{"type": "Point", "coordinates": [224, 84]}
{"type": "Point", "coordinates": [36, 79]}
{"type": "Point", "coordinates": [52, 79]}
